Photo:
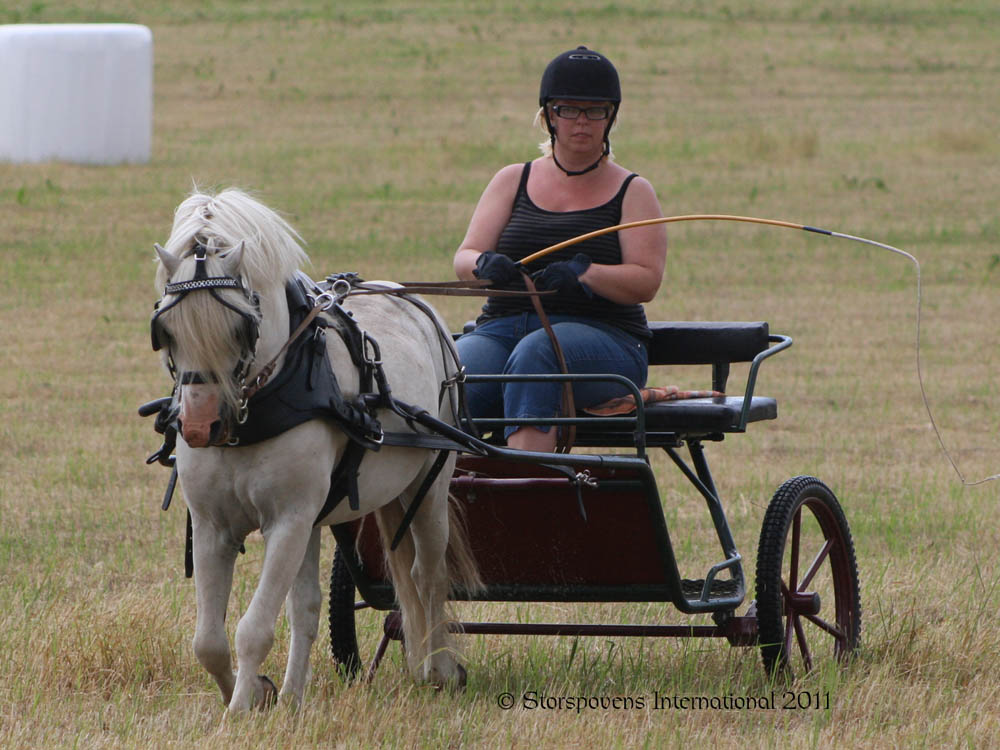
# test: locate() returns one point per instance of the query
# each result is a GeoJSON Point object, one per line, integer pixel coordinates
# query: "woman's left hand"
{"type": "Point", "coordinates": [564, 276]}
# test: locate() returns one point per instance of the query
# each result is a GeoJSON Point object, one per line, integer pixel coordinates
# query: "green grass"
{"type": "Point", "coordinates": [374, 127]}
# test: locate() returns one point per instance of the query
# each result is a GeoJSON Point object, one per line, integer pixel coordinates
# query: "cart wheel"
{"type": "Point", "coordinates": [807, 579]}
{"type": "Point", "coordinates": [343, 636]}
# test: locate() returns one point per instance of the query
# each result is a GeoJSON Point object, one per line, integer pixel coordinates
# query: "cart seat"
{"type": "Point", "coordinates": [696, 343]}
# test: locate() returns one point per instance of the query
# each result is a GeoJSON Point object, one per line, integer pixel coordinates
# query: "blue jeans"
{"type": "Point", "coordinates": [519, 345]}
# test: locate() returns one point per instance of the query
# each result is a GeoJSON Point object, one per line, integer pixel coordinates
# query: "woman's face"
{"type": "Point", "coordinates": [579, 124]}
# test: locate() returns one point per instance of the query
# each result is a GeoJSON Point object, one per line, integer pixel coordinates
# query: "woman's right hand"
{"type": "Point", "coordinates": [496, 268]}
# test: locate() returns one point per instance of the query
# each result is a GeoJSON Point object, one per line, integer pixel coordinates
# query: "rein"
{"type": "Point", "coordinates": [477, 288]}
{"type": "Point", "coordinates": [480, 288]}
{"type": "Point", "coordinates": [565, 439]}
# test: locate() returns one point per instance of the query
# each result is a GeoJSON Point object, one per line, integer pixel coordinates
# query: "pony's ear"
{"type": "Point", "coordinates": [170, 261]}
{"type": "Point", "coordinates": [231, 260]}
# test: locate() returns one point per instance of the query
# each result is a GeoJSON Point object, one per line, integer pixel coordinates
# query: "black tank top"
{"type": "Point", "coordinates": [532, 228]}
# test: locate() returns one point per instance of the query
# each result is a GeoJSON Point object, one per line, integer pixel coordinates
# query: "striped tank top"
{"type": "Point", "coordinates": [532, 228]}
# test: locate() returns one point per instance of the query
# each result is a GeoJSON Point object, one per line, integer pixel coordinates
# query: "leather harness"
{"type": "Point", "coordinates": [306, 388]}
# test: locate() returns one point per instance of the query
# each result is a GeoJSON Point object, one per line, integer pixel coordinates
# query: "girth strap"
{"type": "Point", "coordinates": [344, 480]}
{"type": "Point", "coordinates": [418, 499]}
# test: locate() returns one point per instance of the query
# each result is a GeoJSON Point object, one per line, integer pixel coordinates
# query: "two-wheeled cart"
{"type": "Point", "coordinates": [589, 526]}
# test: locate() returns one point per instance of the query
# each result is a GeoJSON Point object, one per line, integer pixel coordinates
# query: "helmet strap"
{"type": "Point", "coordinates": [578, 172]}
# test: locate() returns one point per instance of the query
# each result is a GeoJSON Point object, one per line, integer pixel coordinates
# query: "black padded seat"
{"type": "Point", "coordinates": [670, 421]}
{"type": "Point", "coordinates": [710, 414]}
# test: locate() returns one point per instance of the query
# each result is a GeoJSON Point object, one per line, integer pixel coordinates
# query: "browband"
{"type": "Point", "coordinates": [210, 282]}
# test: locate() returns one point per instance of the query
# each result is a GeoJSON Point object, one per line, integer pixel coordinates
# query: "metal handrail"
{"type": "Point", "coordinates": [639, 419]}
{"type": "Point", "coordinates": [783, 343]}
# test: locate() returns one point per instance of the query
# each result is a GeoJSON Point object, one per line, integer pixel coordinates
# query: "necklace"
{"type": "Point", "coordinates": [576, 173]}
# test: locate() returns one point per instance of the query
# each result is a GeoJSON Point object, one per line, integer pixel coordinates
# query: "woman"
{"type": "Point", "coordinates": [596, 314]}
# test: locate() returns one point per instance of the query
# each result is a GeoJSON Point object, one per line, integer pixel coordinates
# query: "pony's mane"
{"type": "Point", "coordinates": [272, 251]}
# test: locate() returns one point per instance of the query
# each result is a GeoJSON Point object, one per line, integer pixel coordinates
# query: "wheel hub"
{"type": "Point", "coordinates": [804, 602]}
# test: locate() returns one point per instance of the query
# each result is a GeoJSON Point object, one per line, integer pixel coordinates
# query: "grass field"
{"type": "Point", "coordinates": [374, 126]}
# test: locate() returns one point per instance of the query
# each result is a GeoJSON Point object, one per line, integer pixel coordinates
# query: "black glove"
{"type": "Point", "coordinates": [565, 276]}
{"type": "Point", "coordinates": [495, 267]}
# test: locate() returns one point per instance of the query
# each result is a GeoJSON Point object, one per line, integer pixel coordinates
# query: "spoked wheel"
{"type": "Point", "coordinates": [808, 599]}
{"type": "Point", "coordinates": [343, 634]}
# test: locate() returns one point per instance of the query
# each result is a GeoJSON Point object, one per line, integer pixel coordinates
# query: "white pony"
{"type": "Point", "coordinates": [280, 485]}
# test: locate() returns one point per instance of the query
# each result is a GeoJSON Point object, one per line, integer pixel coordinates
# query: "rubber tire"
{"type": "Point", "coordinates": [839, 567]}
{"type": "Point", "coordinates": [343, 633]}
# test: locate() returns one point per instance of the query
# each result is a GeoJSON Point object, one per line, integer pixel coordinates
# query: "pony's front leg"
{"type": "Point", "coordinates": [285, 547]}
{"type": "Point", "coordinates": [214, 559]}
{"type": "Point", "coordinates": [303, 606]}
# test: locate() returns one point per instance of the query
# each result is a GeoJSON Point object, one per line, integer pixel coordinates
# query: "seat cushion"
{"type": "Point", "coordinates": [707, 414]}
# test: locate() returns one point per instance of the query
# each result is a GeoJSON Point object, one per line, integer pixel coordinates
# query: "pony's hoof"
{"type": "Point", "coordinates": [456, 683]}
{"type": "Point", "coordinates": [270, 693]}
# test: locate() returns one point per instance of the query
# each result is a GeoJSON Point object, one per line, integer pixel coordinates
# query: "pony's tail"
{"type": "Point", "coordinates": [462, 568]}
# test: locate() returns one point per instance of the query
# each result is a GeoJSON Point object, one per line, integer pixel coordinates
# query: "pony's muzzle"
{"type": "Point", "coordinates": [200, 436]}
{"type": "Point", "coordinates": [201, 420]}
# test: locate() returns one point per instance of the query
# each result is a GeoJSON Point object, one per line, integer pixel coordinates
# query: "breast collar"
{"type": "Point", "coordinates": [306, 387]}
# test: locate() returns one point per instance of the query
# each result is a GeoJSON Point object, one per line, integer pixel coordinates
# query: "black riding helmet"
{"type": "Point", "coordinates": [584, 75]}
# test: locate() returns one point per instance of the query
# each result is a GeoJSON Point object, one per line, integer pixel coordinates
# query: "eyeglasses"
{"type": "Point", "coordinates": [571, 113]}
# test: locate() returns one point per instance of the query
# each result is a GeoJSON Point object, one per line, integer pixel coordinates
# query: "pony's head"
{"type": "Point", "coordinates": [224, 251]}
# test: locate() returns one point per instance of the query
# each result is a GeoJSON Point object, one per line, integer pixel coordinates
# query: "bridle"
{"type": "Point", "coordinates": [249, 332]}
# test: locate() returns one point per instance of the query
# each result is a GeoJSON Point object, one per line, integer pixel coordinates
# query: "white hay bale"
{"type": "Point", "coordinates": [76, 92]}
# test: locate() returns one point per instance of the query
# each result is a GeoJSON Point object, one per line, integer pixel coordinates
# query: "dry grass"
{"type": "Point", "coordinates": [374, 127]}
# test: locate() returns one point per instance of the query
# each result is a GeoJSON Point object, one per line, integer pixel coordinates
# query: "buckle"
{"type": "Point", "coordinates": [376, 358]}
{"type": "Point", "coordinates": [458, 377]}
{"type": "Point", "coordinates": [325, 300]}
